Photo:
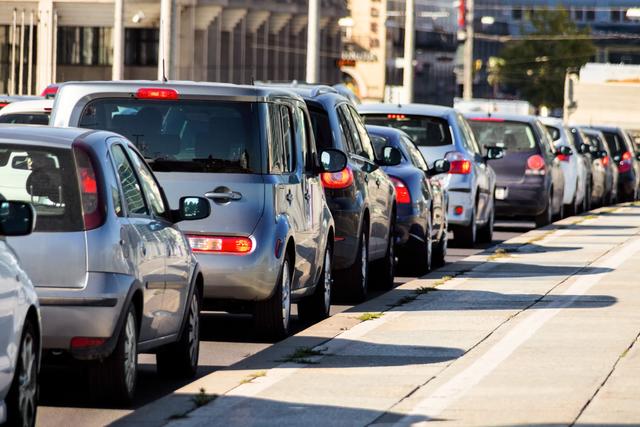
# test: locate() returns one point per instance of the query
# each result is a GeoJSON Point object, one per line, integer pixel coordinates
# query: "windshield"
{"type": "Point", "coordinates": [424, 130]}
{"type": "Point", "coordinates": [512, 136]}
{"type": "Point", "coordinates": [185, 135]}
{"type": "Point", "coordinates": [26, 118]}
{"type": "Point", "coordinates": [46, 178]}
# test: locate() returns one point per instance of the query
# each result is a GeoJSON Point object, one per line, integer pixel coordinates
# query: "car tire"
{"type": "Point", "coordinates": [466, 236]}
{"type": "Point", "coordinates": [180, 359]}
{"type": "Point", "coordinates": [385, 269]}
{"type": "Point", "coordinates": [272, 317]}
{"type": "Point", "coordinates": [485, 233]}
{"type": "Point", "coordinates": [22, 399]}
{"type": "Point", "coordinates": [317, 306]}
{"type": "Point", "coordinates": [440, 250]}
{"type": "Point", "coordinates": [114, 378]}
{"type": "Point", "coordinates": [357, 280]}
{"type": "Point", "coordinates": [546, 217]}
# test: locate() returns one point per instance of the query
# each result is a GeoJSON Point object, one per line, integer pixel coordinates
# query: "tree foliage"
{"type": "Point", "coordinates": [536, 68]}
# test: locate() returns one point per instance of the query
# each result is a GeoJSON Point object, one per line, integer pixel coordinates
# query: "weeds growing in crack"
{"type": "Point", "coordinates": [370, 316]}
{"type": "Point", "coordinates": [253, 376]}
{"type": "Point", "coordinates": [202, 398]}
{"type": "Point", "coordinates": [301, 355]}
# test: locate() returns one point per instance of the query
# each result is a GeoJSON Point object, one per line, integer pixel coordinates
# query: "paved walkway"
{"type": "Point", "coordinates": [544, 331]}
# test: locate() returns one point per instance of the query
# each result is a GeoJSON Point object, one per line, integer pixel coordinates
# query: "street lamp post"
{"type": "Point", "coordinates": [409, 50]}
{"type": "Point", "coordinates": [313, 47]}
{"type": "Point", "coordinates": [118, 41]}
{"type": "Point", "coordinates": [467, 88]}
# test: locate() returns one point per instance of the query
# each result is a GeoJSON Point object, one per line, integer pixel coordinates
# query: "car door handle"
{"type": "Point", "coordinates": [378, 182]}
{"type": "Point", "coordinates": [366, 178]}
{"type": "Point", "coordinates": [143, 249]}
{"type": "Point", "coordinates": [307, 195]}
{"type": "Point", "coordinates": [226, 195]}
{"type": "Point", "coordinates": [289, 197]}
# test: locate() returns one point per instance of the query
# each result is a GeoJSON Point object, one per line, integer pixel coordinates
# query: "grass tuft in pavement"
{"type": "Point", "coordinates": [253, 376]}
{"type": "Point", "coordinates": [202, 398]}
{"type": "Point", "coordinates": [370, 316]}
{"type": "Point", "coordinates": [301, 355]}
{"type": "Point", "coordinates": [499, 253]}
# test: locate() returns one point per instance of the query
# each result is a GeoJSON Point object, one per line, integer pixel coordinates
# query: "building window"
{"type": "Point", "coordinates": [615, 16]}
{"type": "Point", "coordinates": [374, 27]}
{"type": "Point", "coordinates": [375, 12]}
{"type": "Point", "coordinates": [374, 43]}
{"type": "Point", "coordinates": [84, 46]}
{"type": "Point", "coordinates": [591, 15]}
{"type": "Point", "coordinates": [578, 14]}
{"type": "Point", "coordinates": [516, 14]}
{"type": "Point", "coordinates": [141, 46]}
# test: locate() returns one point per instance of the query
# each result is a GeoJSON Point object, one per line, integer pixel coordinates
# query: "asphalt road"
{"type": "Point", "coordinates": [225, 339]}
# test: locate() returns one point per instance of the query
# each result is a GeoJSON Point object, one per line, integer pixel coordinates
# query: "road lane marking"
{"type": "Point", "coordinates": [434, 404]}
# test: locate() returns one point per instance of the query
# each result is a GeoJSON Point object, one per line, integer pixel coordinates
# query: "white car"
{"type": "Point", "coordinates": [19, 323]}
{"type": "Point", "coordinates": [573, 167]}
{"type": "Point", "coordinates": [32, 112]}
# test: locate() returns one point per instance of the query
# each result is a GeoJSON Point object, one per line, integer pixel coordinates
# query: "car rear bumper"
{"type": "Point", "coordinates": [460, 197]}
{"type": "Point", "coordinates": [93, 311]}
{"type": "Point", "coordinates": [626, 184]}
{"type": "Point", "coordinates": [522, 200]}
{"type": "Point", "coordinates": [409, 228]}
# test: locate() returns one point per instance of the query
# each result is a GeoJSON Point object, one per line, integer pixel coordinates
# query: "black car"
{"type": "Point", "coordinates": [625, 157]}
{"type": "Point", "coordinates": [530, 182]}
{"type": "Point", "coordinates": [421, 221]}
{"type": "Point", "coordinates": [361, 197]}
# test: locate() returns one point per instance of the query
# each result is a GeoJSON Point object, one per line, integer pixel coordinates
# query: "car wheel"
{"type": "Point", "coordinates": [485, 234]}
{"type": "Point", "coordinates": [586, 201]}
{"type": "Point", "coordinates": [440, 249]}
{"type": "Point", "coordinates": [417, 257]}
{"type": "Point", "coordinates": [357, 282]}
{"type": "Point", "coordinates": [180, 359]}
{"type": "Point", "coordinates": [546, 217]}
{"type": "Point", "coordinates": [114, 378]}
{"type": "Point", "coordinates": [318, 305]}
{"type": "Point", "coordinates": [22, 400]}
{"type": "Point", "coordinates": [385, 269]}
{"type": "Point", "coordinates": [273, 316]}
{"type": "Point", "coordinates": [466, 236]}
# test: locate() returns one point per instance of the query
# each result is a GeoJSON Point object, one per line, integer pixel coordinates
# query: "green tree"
{"type": "Point", "coordinates": [535, 66]}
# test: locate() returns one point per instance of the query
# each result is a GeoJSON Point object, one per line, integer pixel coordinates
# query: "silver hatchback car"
{"type": "Point", "coordinates": [251, 152]}
{"type": "Point", "coordinates": [113, 273]}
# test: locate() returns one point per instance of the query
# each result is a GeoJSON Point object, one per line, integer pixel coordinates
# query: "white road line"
{"type": "Point", "coordinates": [434, 404]}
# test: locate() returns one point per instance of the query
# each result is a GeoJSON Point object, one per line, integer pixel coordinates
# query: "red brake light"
{"type": "Point", "coordinates": [535, 162]}
{"type": "Point", "coordinates": [396, 116]}
{"type": "Point", "coordinates": [92, 204]}
{"type": "Point", "coordinates": [625, 162]}
{"type": "Point", "coordinates": [460, 167]}
{"type": "Point", "coordinates": [221, 244]}
{"type": "Point", "coordinates": [86, 342]}
{"type": "Point", "coordinates": [458, 210]}
{"type": "Point", "coordinates": [337, 180]}
{"type": "Point", "coordinates": [3, 104]}
{"type": "Point", "coordinates": [50, 91]}
{"type": "Point", "coordinates": [563, 157]}
{"type": "Point", "coordinates": [605, 161]}
{"type": "Point", "coordinates": [157, 93]}
{"type": "Point", "coordinates": [403, 196]}
{"type": "Point", "coordinates": [626, 155]}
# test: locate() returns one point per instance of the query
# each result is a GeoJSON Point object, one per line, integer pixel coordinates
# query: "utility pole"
{"type": "Point", "coordinates": [117, 71]}
{"type": "Point", "coordinates": [166, 40]}
{"type": "Point", "coordinates": [409, 50]}
{"type": "Point", "coordinates": [313, 46]}
{"type": "Point", "coordinates": [467, 88]}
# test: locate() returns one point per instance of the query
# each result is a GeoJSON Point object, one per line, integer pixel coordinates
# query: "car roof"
{"type": "Point", "coordinates": [326, 96]}
{"type": "Point", "coordinates": [41, 135]}
{"type": "Point", "coordinates": [189, 88]}
{"type": "Point", "coordinates": [506, 117]}
{"type": "Point", "coordinates": [413, 109]}
{"type": "Point", "coordinates": [552, 121]}
{"type": "Point", "coordinates": [34, 106]}
{"type": "Point", "coordinates": [607, 128]}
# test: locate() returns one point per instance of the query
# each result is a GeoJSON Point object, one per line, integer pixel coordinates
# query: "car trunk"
{"type": "Point", "coordinates": [511, 168]}
{"type": "Point", "coordinates": [238, 215]}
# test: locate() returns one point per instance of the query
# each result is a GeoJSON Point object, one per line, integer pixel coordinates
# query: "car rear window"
{"type": "Point", "coordinates": [46, 178]}
{"type": "Point", "coordinates": [426, 131]}
{"type": "Point", "coordinates": [26, 118]}
{"type": "Point", "coordinates": [321, 127]}
{"type": "Point", "coordinates": [615, 143]}
{"type": "Point", "coordinates": [554, 132]}
{"type": "Point", "coordinates": [186, 135]}
{"type": "Point", "coordinates": [379, 142]}
{"type": "Point", "coordinates": [512, 136]}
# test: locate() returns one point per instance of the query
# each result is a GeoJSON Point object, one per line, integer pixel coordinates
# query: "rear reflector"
{"type": "Point", "coordinates": [563, 157]}
{"type": "Point", "coordinates": [86, 342]}
{"type": "Point", "coordinates": [220, 244]}
{"type": "Point", "coordinates": [535, 165]}
{"type": "Point", "coordinates": [403, 196]}
{"type": "Point", "coordinates": [458, 210]}
{"type": "Point", "coordinates": [92, 203]}
{"type": "Point", "coordinates": [337, 180]}
{"type": "Point", "coordinates": [157, 93]}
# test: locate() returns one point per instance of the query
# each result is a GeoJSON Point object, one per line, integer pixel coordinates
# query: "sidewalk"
{"type": "Point", "coordinates": [544, 331]}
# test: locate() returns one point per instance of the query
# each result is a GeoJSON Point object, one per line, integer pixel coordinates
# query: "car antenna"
{"type": "Point", "coordinates": [253, 81]}
{"type": "Point", "coordinates": [164, 74]}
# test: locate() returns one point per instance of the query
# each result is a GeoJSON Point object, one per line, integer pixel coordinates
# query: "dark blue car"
{"type": "Point", "coordinates": [421, 221]}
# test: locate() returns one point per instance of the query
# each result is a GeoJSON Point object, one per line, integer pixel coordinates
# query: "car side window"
{"type": "Point", "coordinates": [151, 187]}
{"type": "Point", "coordinates": [131, 188]}
{"type": "Point", "coordinates": [303, 137]}
{"type": "Point", "coordinates": [276, 145]}
{"type": "Point", "coordinates": [546, 139]}
{"type": "Point", "coordinates": [353, 130]}
{"type": "Point", "coordinates": [287, 139]}
{"type": "Point", "coordinates": [345, 130]}
{"type": "Point", "coordinates": [367, 148]}
{"type": "Point", "coordinates": [467, 136]}
{"type": "Point", "coordinates": [416, 156]}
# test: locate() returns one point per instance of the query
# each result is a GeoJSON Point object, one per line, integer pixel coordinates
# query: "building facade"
{"type": "Point", "coordinates": [235, 41]}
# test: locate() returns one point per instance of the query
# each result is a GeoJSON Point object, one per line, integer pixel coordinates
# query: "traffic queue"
{"type": "Point", "coordinates": [129, 207]}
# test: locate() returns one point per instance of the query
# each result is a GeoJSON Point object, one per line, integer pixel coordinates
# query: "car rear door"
{"type": "Point", "coordinates": [144, 243]}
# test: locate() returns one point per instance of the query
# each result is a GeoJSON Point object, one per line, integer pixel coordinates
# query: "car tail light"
{"type": "Point", "coordinates": [337, 180]}
{"type": "Point", "coordinates": [92, 204]}
{"type": "Point", "coordinates": [3, 104]}
{"type": "Point", "coordinates": [157, 93]}
{"type": "Point", "coordinates": [458, 210]}
{"type": "Point", "coordinates": [605, 161]}
{"type": "Point", "coordinates": [221, 244]}
{"type": "Point", "coordinates": [563, 157]}
{"type": "Point", "coordinates": [396, 116]}
{"type": "Point", "coordinates": [50, 91]}
{"type": "Point", "coordinates": [535, 165]}
{"type": "Point", "coordinates": [458, 164]}
{"type": "Point", "coordinates": [625, 162]}
{"type": "Point", "coordinates": [403, 196]}
{"type": "Point", "coordinates": [86, 342]}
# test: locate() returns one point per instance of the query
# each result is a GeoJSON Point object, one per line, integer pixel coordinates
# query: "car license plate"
{"type": "Point", "coordinates": [501, 193]}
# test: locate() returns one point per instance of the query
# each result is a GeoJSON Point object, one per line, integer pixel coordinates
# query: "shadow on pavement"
{"type": "Point", "coordinates": [521, 270]}
{"type": "Point", "coordinates": [535, 248]}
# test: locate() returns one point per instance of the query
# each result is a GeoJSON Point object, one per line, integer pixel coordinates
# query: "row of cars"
{"type": "Point", "coordinates": [284, 193]}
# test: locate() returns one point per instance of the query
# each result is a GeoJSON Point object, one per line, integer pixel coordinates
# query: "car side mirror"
{"type": "Point", "coordinates": [564, 150]}
{"type": "Point", "coordinates": [332, 160]}
{"type": "Point", "coordinates": [16, 218]}
{"type": "Point", "coordinates": [391, 156]}
{"type": "Point", "coordinates": [584, 148]}
{"type": "Point", "coordinates": [602, 154]}
{"type": "Point", "coordinates": [192, 208]}
{"type": "Point", "coordinates": [638, 155]}
{"type": "Point", "coordinates": [494, 153]}
{"type": "Point", "coordinates": [594, 150]}
{"type": "Point", "coordinates": [439, 166]}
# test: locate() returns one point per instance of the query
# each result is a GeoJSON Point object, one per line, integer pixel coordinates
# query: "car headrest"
{"type": "Point", "coordinates": [45, 183]}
